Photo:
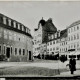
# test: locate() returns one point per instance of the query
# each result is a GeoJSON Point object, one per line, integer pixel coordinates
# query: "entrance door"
{"type": "Point", "coordinates": [29, 55]}
{"type": "Point", "coordinates": [8, 52]}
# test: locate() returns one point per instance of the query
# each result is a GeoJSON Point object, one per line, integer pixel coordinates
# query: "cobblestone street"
{"type": "Point", "coordinates": [49, 64]}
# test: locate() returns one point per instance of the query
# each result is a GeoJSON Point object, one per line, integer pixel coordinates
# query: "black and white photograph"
{"type": "Point", "coordinates": [39, 39]}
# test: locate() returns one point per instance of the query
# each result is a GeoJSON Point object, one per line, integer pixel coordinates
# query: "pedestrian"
{"type": "Point", "coordinates": [72, 65]}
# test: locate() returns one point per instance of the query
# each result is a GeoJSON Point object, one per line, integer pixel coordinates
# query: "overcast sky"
{"type": "Point", "coordinates": [29, 13]}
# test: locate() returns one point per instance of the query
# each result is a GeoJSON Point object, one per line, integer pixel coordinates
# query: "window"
{"type": "Point", "coordinates": [9, 20]}
{"type": "Point", "coordinates": [1, 19]}
{"type": "Point", "coordinates": [47, 49]}
{"type": "Point", "coordinates": [66, 43]}
{"type": "Point", "coordinates": [77, 27]}
{"type": "Point", "coordinates": [60, 50]}
{"type": "Point", "coordinates": [22, 28]}
{"type": "Point", "coordinates": [50, 43]}
{"type": "Point", "coordinates": [11, 50]}
{"type": "Point", "coordinates": [50, 49]}
{"type": "Point", "coordinates": [27, 51]}
{"type": "Point", "coordinates": [71, 37]}
{"type": "Point", "coordinates": [74, 37]}
{"type": "Point", "coordinates": [66, 49]}
{"type": "Point", "coordinates": [53, 42]}
{"type": "Point", "coordinates": [18, 26]}
{"type": "Point", "coordinates": [74, 28]}
{"type": "Point", "coordinates": [23, 51]}
{"type": "Point", "coordinates": [4, 49]}
{"type": "Point", "coordinates": [14, 24]}
{"type": "Point", "coordinates": [69, 30]}
{"type": "Point", "coordinates": [0, 49]}
{"type": "Point", "coordinates": [5, 34]}
{"type": "Point", "coordinates": [74, 46]}
{"type": "Point", "coordinates": [10, 35]}
{"type": "Point", "coordinates": [4, 20]}
{"type": "Point", "coordinates": [77, 36]}
{"type": "Point", "coordinates": [57, 48]}
{"type": "Point", "coordinates": [19, 51]}
{"type": "Point", "coordinates": [53, 49]}
{"type": "Point", "coordinates": [15, 51]}
{"type": "Point", "coordinates": [0, 32]}
{"type": "Point", "coordinates": [77, 44]}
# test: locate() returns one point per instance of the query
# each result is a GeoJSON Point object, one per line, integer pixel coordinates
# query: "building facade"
{"type": "Point", "coordinates": [74, 39]}
{"type": "Point", "coordinates": [15, 40]}
{"type": "Point", "coordinates": [41, 36]}
{"type": "Point", "coordinates": [53, 43]}
{"type": "Point", "coordinates": [57, 44]}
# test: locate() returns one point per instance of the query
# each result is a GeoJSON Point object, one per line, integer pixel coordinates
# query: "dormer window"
{"type": "Point", "coordinates": [26, 30]}
{"type": "Point", "coordinates": [4, 20]}
{"type": "Point", "coordinates": [14, 24]}
{"type": "Point", "coordinates": [9, 22]}
{"type": "Point", "coordinates": [22, 28]}
{"type": "Point", "coordinates": [19, 26]}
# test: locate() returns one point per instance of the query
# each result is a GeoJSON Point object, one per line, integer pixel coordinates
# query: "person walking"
{"type": "Point", "coordinates": [72, 65]}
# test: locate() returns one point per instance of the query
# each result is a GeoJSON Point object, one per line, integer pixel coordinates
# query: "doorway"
{"type": "Point", "coordinates": [29, 55]}
{"type": "Point", "coordinates": [8, 52]}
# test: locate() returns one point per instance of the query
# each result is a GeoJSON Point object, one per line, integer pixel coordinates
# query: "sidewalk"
{"type": "Point", "coordinates": [68, 74]}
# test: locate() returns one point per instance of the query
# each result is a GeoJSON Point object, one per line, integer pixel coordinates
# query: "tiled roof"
{"type": "Point", "coordinates": [49, 27]}
{"type": "Point", "coordinates": [15, 29]}
{"type": "Point", "coordinates": [74, 23]}
{"type": "Point", "coordinates": [63, 33]}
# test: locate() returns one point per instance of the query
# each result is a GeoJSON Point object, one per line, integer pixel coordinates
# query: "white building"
{"type": "Point", "coordinates": [37, 41]}
{"type": "Point", "coordinates": [63, 43]}
{"type": "Point", "coordinates": [74, 39]}
{"type": "Point", "coordinates": [53, 43]}
{"type": "Point", "coordinates": [41, 36]}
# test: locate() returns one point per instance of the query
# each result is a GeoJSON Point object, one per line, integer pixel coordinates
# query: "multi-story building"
{"type": "Point", "coordinates": [15, 40]}
{"type": "Point", "coordinates": [74, 39]}
{"type": "Point", "coordinates": [41, 36]}
{"type": "Point", "coordinates": [63, 43]}
{"type": "Point", "coordinates": [53, 43]}
{"type": "Point", "coordinates": [57, 44]}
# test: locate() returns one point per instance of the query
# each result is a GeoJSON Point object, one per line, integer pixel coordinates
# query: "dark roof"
{"type": "Point", "coordinates": [12, 28]}
{"type": "Point", "coordinates": [49, 27]}
{"type": "Point", "coordinates": [74, 23]}
{"type": "Point", "coordinates": [63, 33]}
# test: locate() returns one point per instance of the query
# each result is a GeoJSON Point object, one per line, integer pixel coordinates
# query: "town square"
{"type": "Point", "coordinates": [39, 39]}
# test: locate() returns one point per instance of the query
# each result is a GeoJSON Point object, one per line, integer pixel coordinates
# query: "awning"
{"type": "Point", "coordinates": [64, 53]}
{"type": "Point", "coordinates": [56, 53]}
{"type": "Point", "coordinates": [36, 54]}
{"type": "Point", "coordinates": [77, 53]}
{"type": "Point", "coordinates": [72, 53]}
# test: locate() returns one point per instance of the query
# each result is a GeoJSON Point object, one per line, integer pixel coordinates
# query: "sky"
{"type": "Point", "coordinates": [30, 13]}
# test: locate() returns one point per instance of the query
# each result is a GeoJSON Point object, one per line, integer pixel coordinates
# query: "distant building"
{"type": "Point", "coordinates": [74, 39]}
{"type": "Point", "coordinates": [57, 44]}
{"type": "Point", "coordinates": [41, 35]}
{"type": "Point", "coordinates": [53, 43]}
{"type": "Point", "coordinates": [15, 40]}
{"type": "Point", "coordinates": [63, 43]}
